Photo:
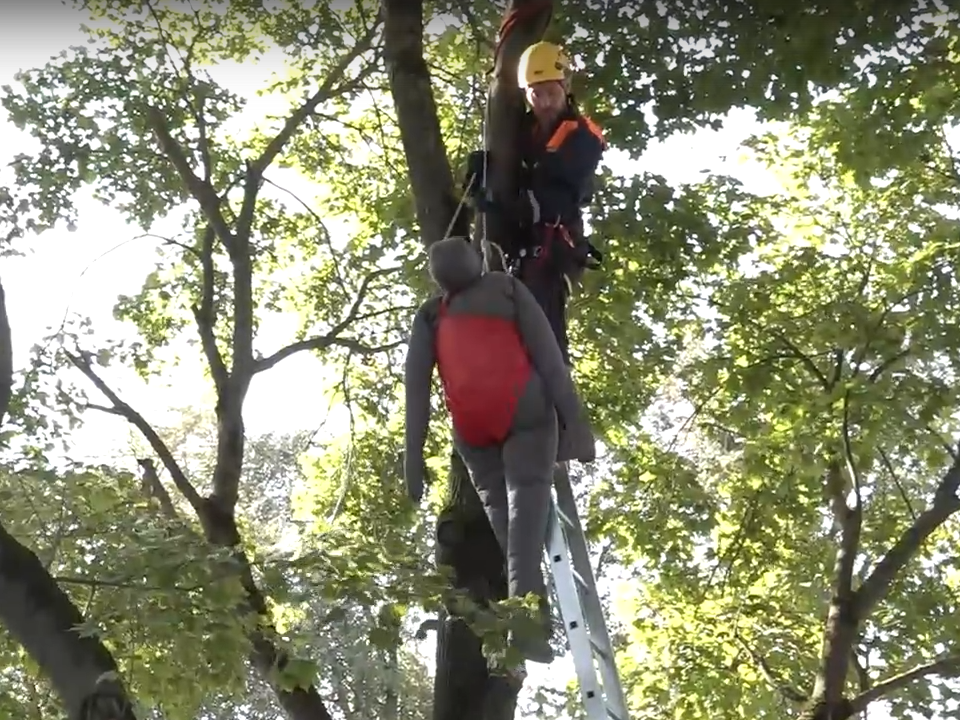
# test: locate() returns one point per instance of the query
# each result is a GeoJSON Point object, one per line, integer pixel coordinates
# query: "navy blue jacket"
{"type": "Point", "coordinates": [560, 164]}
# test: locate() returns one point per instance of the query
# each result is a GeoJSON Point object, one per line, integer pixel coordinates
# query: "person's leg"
{"type": "Point", "coordinates": [549, 288]}
{"type": "Point", "coordinates": [529, 456]}
{"type": "Point", "coordinates": [487, 473]}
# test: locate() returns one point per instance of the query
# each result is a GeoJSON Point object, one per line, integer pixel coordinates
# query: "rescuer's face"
{"type": "Point", "coordinates": [547, 98]}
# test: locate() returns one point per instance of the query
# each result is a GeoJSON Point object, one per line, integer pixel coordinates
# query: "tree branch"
{"type": "Point", "coordinates": [896, 481]}
{"type": "Point", "coordinates": [431, 179]}
{"type": "Point", "coordinates": [948, 666]}
{"type": "Point", "coordinates": [36, 611]}
{"type": "Point", "coordinates": [201, 190]}
{"type": "Point", "coordinates": [119, 407]}
{"type": "Point", "coordinates": [945, 503]}
{"type": "Point", "coordinates": [788, 692]}
{"type": "Point", "coordinates": [840, 629]}
{"type": "Point", "coordinates": [153, 488]}
{"type": "Point", "coordinates": [863, 676]}
{"type": "Point", "coordinates": [523, 24]}
{"type": "Point", "coordinates": [333, 336]}
{"type": "Point", "coordinates": [850, 519]}
{"type": "Point", "coordinates": [6, 357]}
{"type": "Point", "coordinates": [807, 361]}
{"type": "Point", "coordinates": [323, 342]}
{"type": "Point", "coordinates": [327, 90]}
{"type": "Point", "coordinates": [205, 314]}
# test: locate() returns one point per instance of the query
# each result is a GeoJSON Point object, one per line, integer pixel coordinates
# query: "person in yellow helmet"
{"type": "Point", "coordinates": [560, 151]}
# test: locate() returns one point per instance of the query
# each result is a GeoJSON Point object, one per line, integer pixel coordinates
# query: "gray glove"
{"type": "Point", "coordinates": [577, 441]}
{"type": "Point", "coordinates": [415, 475]}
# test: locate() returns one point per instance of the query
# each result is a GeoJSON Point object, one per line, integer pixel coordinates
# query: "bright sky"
{"type": "Point", "coordinates": [83, 272]}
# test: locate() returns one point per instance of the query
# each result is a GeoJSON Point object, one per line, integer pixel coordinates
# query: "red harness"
{"type": "Point", "coordinates": [484, 368]}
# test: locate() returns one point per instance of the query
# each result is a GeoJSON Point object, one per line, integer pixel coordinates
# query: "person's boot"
{"type": "Point", "coordinates": [533, 640]}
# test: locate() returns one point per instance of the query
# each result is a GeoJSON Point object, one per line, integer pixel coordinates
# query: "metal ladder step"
{"type": "Point", "coordinates": [575, 589]}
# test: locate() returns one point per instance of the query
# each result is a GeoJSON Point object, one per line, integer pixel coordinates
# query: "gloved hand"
{"type": "Point", "coordinates": [477, 162]}
{"type": "Point", "coordinates": [591, 257]}
{"type": "Point", "coordinates": [577, 441]}
{"type": "Point", "coordinates": [415, 475]}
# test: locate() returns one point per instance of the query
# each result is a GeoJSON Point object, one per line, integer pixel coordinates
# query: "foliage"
{"type": "Point", "coordinates": [760, 345]}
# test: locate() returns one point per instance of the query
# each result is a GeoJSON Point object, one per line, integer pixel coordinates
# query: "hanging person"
{"type": "Point", "coordinates": [507, 389]}
{"type": "Point", "coordinates": [560, 152]}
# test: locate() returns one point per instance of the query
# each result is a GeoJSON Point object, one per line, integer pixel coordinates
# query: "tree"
{"type": "Point", "coordinates": [152, 137]}
{"type": "Point", "coordinates": [149, 135]}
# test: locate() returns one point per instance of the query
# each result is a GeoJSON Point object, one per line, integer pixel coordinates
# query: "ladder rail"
{"type": "Point", "coordinates": [575, 626]}
{"type": "Point", "coordinates": [575, 588]}
{"type": "Point", "coordinates": [589, 594]}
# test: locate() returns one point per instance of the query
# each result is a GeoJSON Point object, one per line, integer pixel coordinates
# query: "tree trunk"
{"type": "Point", "coordinates": [39, 614]}
{"type": "Point", "coordinates": [464, 689]}
{"type": "Point", "coordinates": [524, 24]}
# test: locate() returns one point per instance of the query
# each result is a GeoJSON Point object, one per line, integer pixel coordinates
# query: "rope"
{"type": "Point", "coordinates": [484, 240]}
{"type": "Point", "coordinates": [456, 213]}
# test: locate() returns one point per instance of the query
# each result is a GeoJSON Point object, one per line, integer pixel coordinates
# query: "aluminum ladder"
{"type": "Point", "coordinates": [575, 590]}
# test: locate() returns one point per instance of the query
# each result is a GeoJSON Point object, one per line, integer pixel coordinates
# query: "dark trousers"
{"type": "Point", "coordinates": [543, 270]}
{"type": "Point", "coordinates": [550, 290]}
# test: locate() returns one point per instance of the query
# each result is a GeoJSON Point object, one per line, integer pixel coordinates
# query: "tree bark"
{"type": "Point", "coordinates": [464, 689]}
{"type": "Point", "coordinates": [39, 614]}
{"type": "Point", "coordinates": [524, 23]}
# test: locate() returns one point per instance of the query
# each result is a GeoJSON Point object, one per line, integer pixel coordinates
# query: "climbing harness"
{"type": "Point", "coordinates": [575, 589]}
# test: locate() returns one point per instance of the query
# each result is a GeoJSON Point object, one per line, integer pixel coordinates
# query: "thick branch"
{"type": "Point", "coordinates": [948, 666]}
{"type": "Point", "coordinates": [201, 190]}
{"type": "Point", "coordinates": [6, 357]}
{"type": "Point", "coordinates": [43, 619]}
{"type": "Point", "coordinates": [523, 25]}
{"type": "Point", "coordinates": [119, 407]}
{"type": "Point", "coordinates": [850, 519]}
{"type": "Point", "coordinates": [431, 180]}
{"type": "Point", "coordinates": [333, 336]}
{"type": "Point", "coordinates": [205, 314]}
{"type": "Point", "coordinates": [945, 503]}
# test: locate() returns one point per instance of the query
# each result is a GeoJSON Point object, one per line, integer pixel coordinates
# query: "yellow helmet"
{"type": "Point", "coordinates": [541, 62]}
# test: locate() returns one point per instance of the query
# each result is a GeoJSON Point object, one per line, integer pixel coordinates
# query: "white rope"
{"type": "Point", "coordinates": [485, 245]}
{"type": "Point", "coordinates": [456, 213]}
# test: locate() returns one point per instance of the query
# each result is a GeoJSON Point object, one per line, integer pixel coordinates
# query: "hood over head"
{"type": "Point", "coordinates": [455, 264]}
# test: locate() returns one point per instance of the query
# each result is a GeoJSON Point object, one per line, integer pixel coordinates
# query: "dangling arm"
{"type": "Point", "coordinates": [545, 354]}
{"type": "Point", "coordinates": [418, 376]}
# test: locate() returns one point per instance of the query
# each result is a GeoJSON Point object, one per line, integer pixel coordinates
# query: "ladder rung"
{"type": "Point", "coordinates": [581, 580]}
{"type": "Point", "coordinates": [599, 649]}
{"type": "Point", "coordinates": [565, 519]}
